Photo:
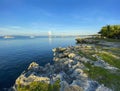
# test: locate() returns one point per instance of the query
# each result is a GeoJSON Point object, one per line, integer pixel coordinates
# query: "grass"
{"type": "Point", "coordinates": [110, 59]}
{"type": "Point", "coordinates": [40, 86]}
{"type": "Point", "coordinates": [108, 55]}
{"type": "Point", "coordinates": [103, 76]}
{"type": "Point", "coordinates": [115, 51]}
{"type": "Point", "coordinates": [88, 54]}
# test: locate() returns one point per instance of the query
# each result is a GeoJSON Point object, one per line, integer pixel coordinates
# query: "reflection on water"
{"type": "Point", "coordinates": [50, 40]}
{"type": "Point", "coordinates": [17, 54]}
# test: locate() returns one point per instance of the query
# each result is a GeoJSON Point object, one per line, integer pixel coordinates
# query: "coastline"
{"type": "Point", "coordinates": [70, 67]}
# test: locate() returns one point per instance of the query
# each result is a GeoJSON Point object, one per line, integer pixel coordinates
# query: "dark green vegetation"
{"type": "Point", "coordinates": [40, 86]}
{"type": "Point", "coordinates": [110, 31]}
{"type": "Point", "coordinates": [104, 76]}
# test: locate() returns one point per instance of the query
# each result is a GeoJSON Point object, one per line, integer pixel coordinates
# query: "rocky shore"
{"type": "Point", "coordinates": [68, 67]}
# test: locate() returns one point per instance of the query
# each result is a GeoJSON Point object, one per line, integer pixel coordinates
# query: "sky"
{"type": "Point", "coordinates": [64, 17]}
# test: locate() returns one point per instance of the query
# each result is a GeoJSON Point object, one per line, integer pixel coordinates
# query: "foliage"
{"type": "Point", "coordinates": [40, 86]}
{"type": "Point", "coordinates": [110, 31]}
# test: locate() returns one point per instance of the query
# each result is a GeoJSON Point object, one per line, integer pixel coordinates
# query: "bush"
{"type": "Point", "coordinates": [110, 31]}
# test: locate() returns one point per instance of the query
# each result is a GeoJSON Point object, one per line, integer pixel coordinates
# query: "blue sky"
{"type": "Point", "coordinates": [37, 17]}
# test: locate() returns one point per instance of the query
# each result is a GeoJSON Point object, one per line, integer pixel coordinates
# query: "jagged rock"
{"type": "Point", "coordinates": [103, 64]}
{"type": "Point", "coordinates": [78, 71]}
{"type": "Point", "coordinates": [77, 65]}
{"type": "Point", "coordinates": [83, 59]}
{"type": "Point", "coordinates": [73, 88]}
{"type": "Point", "coordinates": [103, 88]}
{"type": "Point", "coordinates": [23, 80]}
{"type": "Point", "coordinates": [33, 65]}
{"type": "Point", "coordinates": [71, 55]}
{"type": "Point", "coordinates": [78, 58]}
{"type": "Point", "coordinates": [63, 85]}
{"type": "Point", "coordinates": [33, 73]}
{"type": "Point", "coordinates": [58, 49]}
{"type": "Point", "coordinates": [56, 59]}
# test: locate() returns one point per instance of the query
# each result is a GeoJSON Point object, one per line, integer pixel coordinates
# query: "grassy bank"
{"type": "Point", "coordinates": [103, 76]}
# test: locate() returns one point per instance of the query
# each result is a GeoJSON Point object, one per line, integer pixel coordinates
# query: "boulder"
{"type": "Point", "coordinates": [24, 81]}
{"type": "Point", "coordinates": [71, 55]}
{"type": "Point", "coordinates": [59, 49]}
{"type": "Point", "coordinates": [33, 65]}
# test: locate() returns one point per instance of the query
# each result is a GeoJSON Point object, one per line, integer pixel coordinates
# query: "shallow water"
{"type": "Point", "coordinates": [17, 54]}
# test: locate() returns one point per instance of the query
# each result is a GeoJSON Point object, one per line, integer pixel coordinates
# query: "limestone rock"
{"type": "Point", "coordinates": [103, 88]}
{"type": "Point", "coordinates": [71, 55]}
{"type": "Point", "coordinates": [33, 65]}
{"type": "Point", "coordinates": [63, 84]}
{"type": "Point", "coordinates": [73, 88]}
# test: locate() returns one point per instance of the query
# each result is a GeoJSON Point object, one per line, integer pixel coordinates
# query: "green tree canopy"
{"type": "Point", "coordinates": [110, 31]}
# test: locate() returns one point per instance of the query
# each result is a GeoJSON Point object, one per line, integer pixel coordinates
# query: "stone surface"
{"type": "Point", "coordinates": [73, 88]}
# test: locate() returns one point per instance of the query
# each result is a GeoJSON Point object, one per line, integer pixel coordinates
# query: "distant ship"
{"type": "Point", "coordinates": [8, 37]}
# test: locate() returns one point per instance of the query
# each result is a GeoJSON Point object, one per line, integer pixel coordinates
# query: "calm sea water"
{"type": "Point", "coordinates": [17, 54]}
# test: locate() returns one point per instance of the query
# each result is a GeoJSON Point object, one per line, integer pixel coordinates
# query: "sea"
{"type": "Point", "coordinates": [16, 54]}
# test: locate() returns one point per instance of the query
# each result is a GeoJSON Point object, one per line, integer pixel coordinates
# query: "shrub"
{"type": "Point", "coordinates": [40, 86]}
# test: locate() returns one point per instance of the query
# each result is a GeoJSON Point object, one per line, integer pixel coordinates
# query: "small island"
{"type": "Point", "coordinates": [8, 37]}
{"type": "Point", "coordinates": [91, 65]}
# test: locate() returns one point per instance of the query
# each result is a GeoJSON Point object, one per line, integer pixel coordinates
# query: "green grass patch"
{"type": "Point", "coordinates": [110, 59]}
{"type": "Point", "coordinates": [88, 54]}
{"type": "Point", "coordinates": [40, 86]}
{"type": "Point", "coordinates": [115, 51]}
{"type": "Point", "coordinates": [103, 76]}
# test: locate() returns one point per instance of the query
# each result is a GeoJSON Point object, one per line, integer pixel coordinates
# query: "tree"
{"type": "Point", "coordinates": [110, 31]}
